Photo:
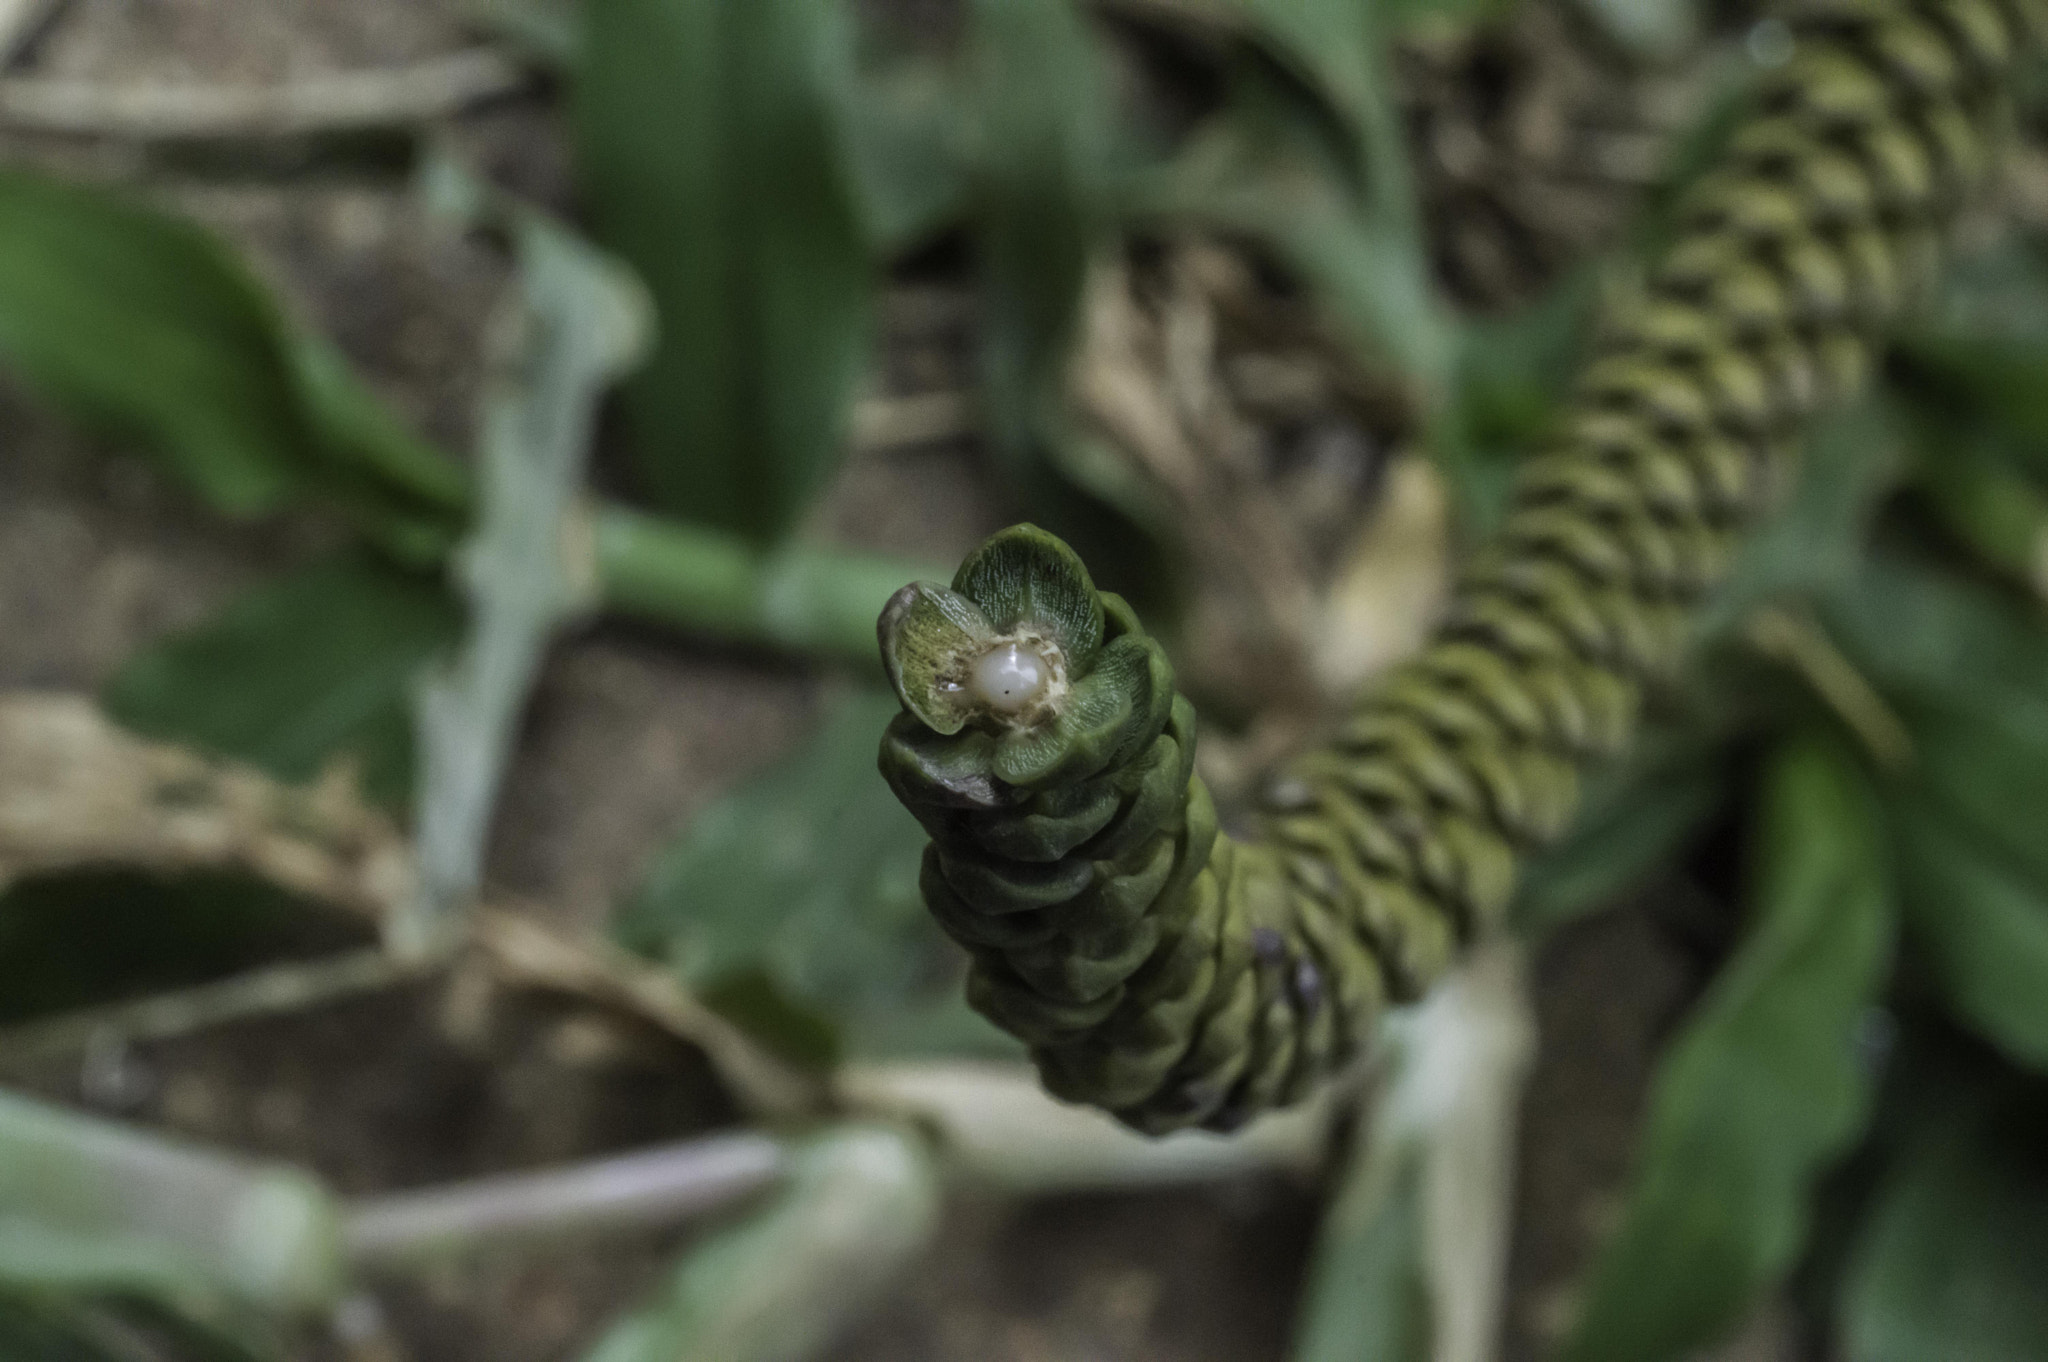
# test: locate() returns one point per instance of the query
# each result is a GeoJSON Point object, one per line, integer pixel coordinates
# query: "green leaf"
{"type": "Point", "coordinates": [147, 326]}
{"type": "Point", "coordinates": [1920, 627]}
{"type": "Point", "coordinates": [88, 1204]}
{"type": "Point", "coordinates": [1950, 1265]}
{"type": "Point", "coordinates": [1762, 1088]}
{"type": "Point", "coordinates": [1366, 1300]}
{"type": "Point", "coordinates": [1969, 670]}
{"type": "Point", "coordinates": [1041, 196]}
{"type": "Point", "coordinates": [710, 139]}
{"type": "Point", "coordinates": [1972, 365]}
{"type": "Point", "coordinates": [1337, 49]}
{"type": "Point", "coordinates": [1042, 209]}
{"type": "Point", "coordinates": [1267, 166]}
{"type": "Point", "coordinates": [1988, 769]}
{"type": "Point", "coordinates": [1381, 278]}
{"type": "Point", "coordinates": [1631, 821]}
{"type": "Point", "coordinates": [1403, 12]}
{"type": "Point", "coordinates": [1816, 540]}
{"type": "Point", "coordinates": [796, 897]}
{"type": "Point", "coordinates": [1331, 47]}
{"type": "Point", "coordinates": [315, 663]}
{"type": "Point", "coordinates": [48, 1326]}
{"type": "Point", "coordinates": [407, 495]}
{"type": "Point", "coordinates": [860, 1204]}
{"type": "Point", "coordinates": [908, 153]}
{"type": "Point", "coordinates": [1980, 925]}
{"type": "Point", "coordinates": [1993, 507]}
{"type": "Point", "coordinates": [1515, 371]}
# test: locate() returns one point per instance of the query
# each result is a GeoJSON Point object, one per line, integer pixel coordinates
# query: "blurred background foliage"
{"type": "Point", "coordinates": [1258, 302]}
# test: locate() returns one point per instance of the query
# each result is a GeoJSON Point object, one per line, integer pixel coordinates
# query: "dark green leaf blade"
{"type": "Point", "coordinates": [1041, 196]}
{"type": "Point", "coordinates": [1816, 540]}
{"type": "Point", "coordinates": [905, 142]}
{"type": "Point", "coordinates": [147, 326]}
{"type": "Point", "coordinates": [794, 899]}
{"type": "Point", "coordinates": [1988, 769]}
{"type": "Point", "coordinates": [1763, 1086]}
{"type": "Point", "coordinates": [1950, 1266]}
{"type": "Point", "coordinates": [408, 496]}
{"type": "Point", "coordinates": [1366, 1300]}
{"type": "Point", "coordinates": [318, 662]}
{"type": "Point", "coordinates": [1968, 667]}
{"type": "Point", "coordinates": [710, 138]}
{"type": "Point", "coordinates": [1041, 202]}
{"type": "Point", "coordinates": [1267, 167]}
{"type": "Point", "coordinates": [53, 1326]}
{"type": "Point", "coordinates": [1630, 822]}
{"type": "Point", "coordinates": [1981, 928]}
{"type": "Point", "coordinates": [1919, 628]}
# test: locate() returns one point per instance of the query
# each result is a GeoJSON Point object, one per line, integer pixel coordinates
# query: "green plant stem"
{"type": "Point", "coordinates": [799, 598]}
{"type": "Point", "coordinates": [90, 1204]}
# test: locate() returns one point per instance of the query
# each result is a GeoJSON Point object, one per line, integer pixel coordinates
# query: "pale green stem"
{"type": "Point", "coordinates": [89, 1204]}
{"type": "Point", "coordinates": [799, 598]}
{"type": "Point", "coordinates": [576, 324]}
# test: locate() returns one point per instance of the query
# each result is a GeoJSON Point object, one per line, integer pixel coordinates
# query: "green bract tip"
{"type": "Point", "coordinates": [1015, 651]}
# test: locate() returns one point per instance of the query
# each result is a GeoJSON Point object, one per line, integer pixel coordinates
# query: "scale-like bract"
{"type": "Point", "coordinates": [1181, 978]}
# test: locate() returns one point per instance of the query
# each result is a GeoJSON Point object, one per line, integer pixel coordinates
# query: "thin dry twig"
{"type": "Point", "coordinates": [523, 952]}
{"type": "Point", "coordinates": [1149, 383]}
{"type": "Point", "coordinates": [350, 101]}
{"type": "Point", "coordinates": [288, 987]}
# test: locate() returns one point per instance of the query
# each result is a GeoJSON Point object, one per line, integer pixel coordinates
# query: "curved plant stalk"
{"type": "Point", "coordinates": [577, 325]}
{"type": "Point", "coordinates": [1413, 1256]}
{"type": "Point", "coordinates": [994, 1125]}
{"type": "Point", "coordinates": [1177, 977]}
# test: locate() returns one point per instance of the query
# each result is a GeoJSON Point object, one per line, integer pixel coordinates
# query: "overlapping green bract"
{"type": "Point", "coordinates": [1056, 833]}
{"type": "Point", "coordinates": [1176, 984]}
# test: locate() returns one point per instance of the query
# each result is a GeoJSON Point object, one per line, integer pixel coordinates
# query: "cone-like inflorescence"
{"type": "Point", "coordinates": [1177, 978]}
